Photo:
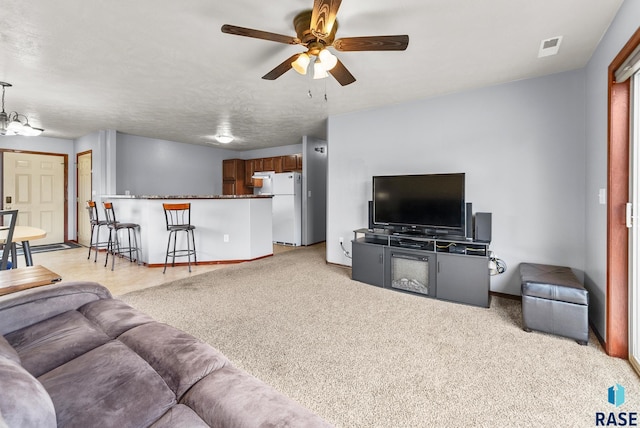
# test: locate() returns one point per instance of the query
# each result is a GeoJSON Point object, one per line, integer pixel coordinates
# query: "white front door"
{"type": "Point", "coordinates": [84, 195]}
{"type": "Point", "coordinates": [34, 185]}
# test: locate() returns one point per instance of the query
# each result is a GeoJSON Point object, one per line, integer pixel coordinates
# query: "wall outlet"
{"type": "Point", "coordinates": [341, 239]}
{"type": "Point", "coordinates": [225, 238]}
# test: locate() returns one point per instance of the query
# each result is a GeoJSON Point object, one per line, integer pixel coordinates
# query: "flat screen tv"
{"type": "Point", "coordinates": [428, 203]}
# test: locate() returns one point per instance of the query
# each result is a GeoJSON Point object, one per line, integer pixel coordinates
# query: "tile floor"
{"type": "Point", "coordinates": [73, 265]}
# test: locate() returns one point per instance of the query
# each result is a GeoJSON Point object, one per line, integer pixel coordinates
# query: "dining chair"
{"type": "Point", "coordinates": [6, 236]}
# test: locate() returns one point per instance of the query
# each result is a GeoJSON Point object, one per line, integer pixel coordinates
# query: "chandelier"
{"type": "Point", "coordinates": [15, 123]}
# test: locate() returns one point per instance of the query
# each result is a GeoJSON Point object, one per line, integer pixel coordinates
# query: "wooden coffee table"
{"type": "Point", "coordinates": [13, 280]}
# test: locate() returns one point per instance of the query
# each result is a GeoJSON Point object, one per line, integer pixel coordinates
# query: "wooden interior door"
{"type": "Point", "coordinates": [34, 185]}
{"type": "Point", "coordinates": [84, 194]}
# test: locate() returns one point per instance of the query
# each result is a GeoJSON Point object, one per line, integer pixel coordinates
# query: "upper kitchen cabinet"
{"type": "Point", "coordinates": [272, 164]}
{"type": "Point", "coordinates": [292, 163]}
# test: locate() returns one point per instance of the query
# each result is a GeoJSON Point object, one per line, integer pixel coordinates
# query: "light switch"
{"type": "Point", "coordinates": [602, 196]}
{"type": "Point", "coordinates": [308, 193]}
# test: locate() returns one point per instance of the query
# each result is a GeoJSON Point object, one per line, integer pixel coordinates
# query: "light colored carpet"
{"type": "Point", "coordinates": [362, 356]}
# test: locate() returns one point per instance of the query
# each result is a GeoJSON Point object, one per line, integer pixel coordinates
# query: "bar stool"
{"type": "Point", "coordinates": [178, 217]}
{"type": "Point", "coordinates": [113, 245]}
{"type": "Point", "coordinates": [96, 224]}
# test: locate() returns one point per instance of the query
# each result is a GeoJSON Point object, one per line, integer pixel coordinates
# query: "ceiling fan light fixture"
{"type": "Point", "coordinates": [319, 71]}
{"type": "Point", "coordinates": [301, 63]}
{"type": "Point", "coordinates": [328, 59]}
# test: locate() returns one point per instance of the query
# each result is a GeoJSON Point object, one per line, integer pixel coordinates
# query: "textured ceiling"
{"type": "Point", "coordinates": [163, 69]}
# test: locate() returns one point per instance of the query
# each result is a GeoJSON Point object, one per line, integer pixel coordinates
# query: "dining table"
{"type": "Point", "coordinates": [23, 235]}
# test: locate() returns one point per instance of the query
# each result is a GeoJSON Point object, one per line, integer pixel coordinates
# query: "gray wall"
{"type": "Point", "coordinates": [314, 190]}
{"type": "Point", "coordinates": [620, 31]}
{"type": "Point", "coordinates": [521, 145]}
{"type": "Point", "coordinates": [148, 166]}
{"type": "Point", "coordinates": [291, 149]}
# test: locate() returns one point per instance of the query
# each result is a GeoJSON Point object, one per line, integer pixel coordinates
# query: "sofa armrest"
{"type": "Point", "coordinates": [27, 307]}
{"type": "Point", "coordinates": [232, 398]}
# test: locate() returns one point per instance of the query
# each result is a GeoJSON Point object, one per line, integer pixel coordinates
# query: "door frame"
{"type": "Point", "coordinates": [617, 308]}
{"type": "Point", "coordinates": [86, 152]}
{"type": "Point", "coordinates": [65, 158]}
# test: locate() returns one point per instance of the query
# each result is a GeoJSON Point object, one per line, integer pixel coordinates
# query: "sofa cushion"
{"type": "Point", "coordinates": [50, 343]}
{"type": "Point", "coordinates": [7, 351]}
{"type": "Point", "coordinates": [178, 357]}
{"type": "Point", "coordinates": [180, 416]}
{"type": "Point", "coordinates": [114, 316]}
{"type": "Point", "coordinates": [23, 400]}
{"type": "Point", "coordinates": [110, 384]}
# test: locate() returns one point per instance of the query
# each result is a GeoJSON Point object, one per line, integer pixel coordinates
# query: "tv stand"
{"type": "Point", "coordinates": [447, 268]}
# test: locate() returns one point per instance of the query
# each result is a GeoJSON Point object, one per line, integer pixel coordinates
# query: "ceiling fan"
{"type": "Point", "coordinates": [316, 30]}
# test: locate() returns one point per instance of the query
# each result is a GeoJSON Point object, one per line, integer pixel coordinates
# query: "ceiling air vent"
{"type": "Point", "coordinates": [549, 46]}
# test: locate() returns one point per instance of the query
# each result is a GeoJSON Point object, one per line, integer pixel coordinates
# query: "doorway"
{"type": "Point", "coordinates": [34, 184]}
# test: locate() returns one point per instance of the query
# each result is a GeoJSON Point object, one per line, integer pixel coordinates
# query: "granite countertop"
{"type": "Point", "coordinates": [186, 196]}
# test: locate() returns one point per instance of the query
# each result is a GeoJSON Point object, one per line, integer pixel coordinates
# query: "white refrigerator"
{"type": "Point", "coordinates": [287, 208]}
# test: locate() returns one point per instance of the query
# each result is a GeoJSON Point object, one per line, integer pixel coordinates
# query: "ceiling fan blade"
{"type": "Point", "coordinates": [323, 17]}
{"type": "Point", "coordinates": [257, 34]}
{"type": "Point", "coordinates": [341, 74]}
{"type": "Point", "coordinates": [373, 43]}
{"type": "Point", "coordinates": [280, 69]}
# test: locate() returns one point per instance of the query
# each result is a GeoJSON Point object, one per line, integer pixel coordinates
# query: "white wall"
{"type": "Point", "coordinates": [620, 31]}
{"type": "Point", "coordinates": [521, 145]}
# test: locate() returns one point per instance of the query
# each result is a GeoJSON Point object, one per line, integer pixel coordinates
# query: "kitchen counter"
{"type": "Point", "coordinates": [228, 228]}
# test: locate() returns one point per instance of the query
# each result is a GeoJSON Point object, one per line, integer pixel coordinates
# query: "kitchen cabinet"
{"type": "Point", "coordinates": [292, 162]}
{"type": "Point", "coordinates": [233, 177]}
{"type": "Point", "coordinates": [272, 164]}
{"type": "Point", "coordinates": [229, 188]}
{"type": "Point", "coordinates": [249, 169]}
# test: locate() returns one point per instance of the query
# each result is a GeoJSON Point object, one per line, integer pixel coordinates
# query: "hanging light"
{"type": "Point", "coordinates": [12, 124]}
{"type": "Point", "coordinates": [301, 63]}
{"type": "Point", "coordinates": [224, 139]}
{"type": "Point", "coordinates": [319, 72]}
{"type": "Point", "coordinates": [328, 59]}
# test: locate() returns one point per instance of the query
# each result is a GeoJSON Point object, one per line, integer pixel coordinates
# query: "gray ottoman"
{"type": "Point", "coordinates": [554, 301]}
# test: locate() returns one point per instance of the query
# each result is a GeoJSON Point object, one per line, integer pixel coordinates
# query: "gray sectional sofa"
{"type": "Point", "coordinates": [73, 356]}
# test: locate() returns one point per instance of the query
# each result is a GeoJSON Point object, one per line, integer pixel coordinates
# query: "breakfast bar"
{"type": "Point", "coordinates": [228, 228]}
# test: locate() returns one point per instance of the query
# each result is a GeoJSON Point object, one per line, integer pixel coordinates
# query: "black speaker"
{"type": "Point", "coordinates": [468, 221]}
{"type": "Point", "coordinates": [370, 214]}
{"type": "Point", "coordinates": [483, 227]}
